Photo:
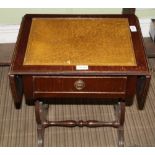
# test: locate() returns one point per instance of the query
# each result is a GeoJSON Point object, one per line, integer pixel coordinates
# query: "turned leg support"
{"type": "Point", "coordinates": [120, 117]}
{"type": "Point", "coordinates": [41, 111]}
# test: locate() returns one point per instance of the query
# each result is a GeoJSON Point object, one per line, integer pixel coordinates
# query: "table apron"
{"type": "Point", "coordinates": [79, 86]}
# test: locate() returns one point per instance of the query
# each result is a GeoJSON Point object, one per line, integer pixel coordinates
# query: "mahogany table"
{"type": "Point", "coordinates": [79, 56]}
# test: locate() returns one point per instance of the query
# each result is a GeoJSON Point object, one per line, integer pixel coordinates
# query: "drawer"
{"type": "Point", "coordinates": [107, 84]}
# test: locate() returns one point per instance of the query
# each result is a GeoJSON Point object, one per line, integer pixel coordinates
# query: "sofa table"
{"type": "Point", "coordinates": [79, 56]}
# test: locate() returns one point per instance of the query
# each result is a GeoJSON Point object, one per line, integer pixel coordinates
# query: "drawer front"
{"type": "Point", "coordinates": [79, 84]}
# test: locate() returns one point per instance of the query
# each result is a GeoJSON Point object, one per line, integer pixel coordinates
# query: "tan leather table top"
{"type": "Point", "coordinates": [86, 41]}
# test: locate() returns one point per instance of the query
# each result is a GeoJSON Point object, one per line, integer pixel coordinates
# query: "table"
{"type": "Point", "coordinates": [79, 56]}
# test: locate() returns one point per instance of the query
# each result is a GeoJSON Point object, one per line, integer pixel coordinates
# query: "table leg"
{"type": "Point", "coordinates": [120, 116]}
{"type": "Point", "coordinates": [41, 117]}
{"type": "Point", "coordinates": [40, 135]}
{"type": "Point", "coordinates": [121, 136]}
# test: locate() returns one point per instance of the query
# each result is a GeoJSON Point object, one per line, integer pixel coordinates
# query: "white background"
{"type": "Point", "coordinates": [77, 3]}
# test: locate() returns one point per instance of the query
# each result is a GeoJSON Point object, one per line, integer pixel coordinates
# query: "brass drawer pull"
{"type": "Point", "coordinates": [79, 84]}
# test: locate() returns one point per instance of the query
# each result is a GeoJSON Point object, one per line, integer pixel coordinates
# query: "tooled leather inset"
{"type": "Point", "coordinates": [80, 41]}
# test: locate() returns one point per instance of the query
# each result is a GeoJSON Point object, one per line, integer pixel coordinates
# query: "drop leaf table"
{"type": "Point", "coordinates": [79, 56]}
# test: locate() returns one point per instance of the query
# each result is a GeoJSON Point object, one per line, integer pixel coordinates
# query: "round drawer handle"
{"type": "Point", "coordinates": [79, 84]}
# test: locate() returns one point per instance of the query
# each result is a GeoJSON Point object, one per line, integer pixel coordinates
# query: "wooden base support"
{"type": "Point", "coordinates": [41, 111]}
